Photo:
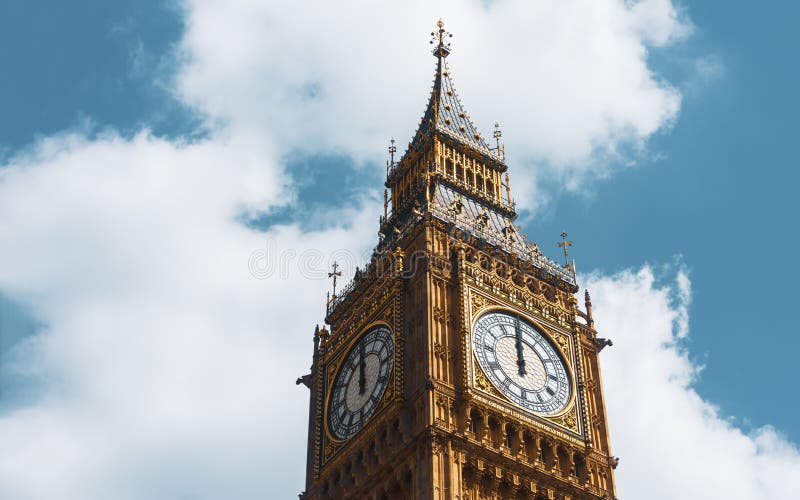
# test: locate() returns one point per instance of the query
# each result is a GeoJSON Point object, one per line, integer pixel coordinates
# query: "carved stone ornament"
{"type": "Point", "coordinates": [478, 302]}
{"type": "Point", "coordinates": [480, 380]}
{"type": "Point", "coordinates": [563, 343]}
{"type": "Point", "coordinates": [483, 383]}
{"type": "Point", "coordinates": [437, 445]}
{"type": "Point", "coordinates": [569, 420]}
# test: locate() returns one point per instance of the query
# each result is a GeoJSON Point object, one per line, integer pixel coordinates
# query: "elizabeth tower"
{"type": "Point", "coordinates": [457, 364]}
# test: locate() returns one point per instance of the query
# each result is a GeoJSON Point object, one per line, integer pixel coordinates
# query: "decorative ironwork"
{"type": "Point", "coordinates": [565, 245]}
{"type": "Point", "coordinates": [439, 37]}
{"type": "Point", "coordinates": [497, 134]}
{"type": "Point", "coordinates": [334, 274]}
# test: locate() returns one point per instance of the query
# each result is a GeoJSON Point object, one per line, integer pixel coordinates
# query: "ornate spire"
{"type": "Point", "coordinates": [445, 113]}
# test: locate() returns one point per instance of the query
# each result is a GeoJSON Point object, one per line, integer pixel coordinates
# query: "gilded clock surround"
{"type": "Point", "coordinates": [448, 253]}
{"type": "Point", "coordinates": [561, 341]}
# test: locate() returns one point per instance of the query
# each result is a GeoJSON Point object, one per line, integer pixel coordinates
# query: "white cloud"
{"type": "Point", "coordinates": [166, 369]}
{"type": "Point", "coordinates": [672, 442]}
{"type": "Point", "coordinates": [569, 81]}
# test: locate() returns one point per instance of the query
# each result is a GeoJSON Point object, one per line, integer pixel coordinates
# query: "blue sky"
{"type": "Point", "coordinates": [707, 191]}
{"type": "Point", "coordinates": [722, 199]}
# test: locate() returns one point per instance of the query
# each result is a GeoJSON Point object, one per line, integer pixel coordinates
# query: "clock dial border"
{"type": "Point", "coordinates": [334, 370]}
{"type": "Point", "coordinates": [566, 358]}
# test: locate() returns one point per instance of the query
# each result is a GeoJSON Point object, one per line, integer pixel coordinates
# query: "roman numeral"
{"type": "Point", "coordinates": [550, 391]}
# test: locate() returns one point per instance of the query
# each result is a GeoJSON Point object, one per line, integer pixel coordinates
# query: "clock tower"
{"type": "Point", "coordinates": [457, 363]}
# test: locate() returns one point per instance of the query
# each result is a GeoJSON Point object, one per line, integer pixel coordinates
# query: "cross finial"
{"type": "Point", "coordinates": [438, 37]}
{"type": "Point", "coordinates": [334, 274]}
{"type": "Point", "coordinates": [392, 151]}
{"type": "Point", "coordinates": [497, 134]}
{"type": "Point", "coordinates": [565, 245]}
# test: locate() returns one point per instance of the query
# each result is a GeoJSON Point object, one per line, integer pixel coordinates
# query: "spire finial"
{"type": "Point", "coordinates": [497, 134]}
{"type": "Point", "coordinates": [334, 274]}
{"type": "Point", "coordinates": [390, 165]}
{"type": "Point", "coordinates": [565, 245]}
{"type": "Point", "coordinates": [438, 37]}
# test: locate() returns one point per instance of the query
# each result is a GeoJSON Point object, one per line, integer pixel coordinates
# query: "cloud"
{"type": "Point", "coordinates": [569, 81]}
{"type": "Point", "coordinates": [672, 442]}
{"type": "Point", "coordinates": [165, 369]}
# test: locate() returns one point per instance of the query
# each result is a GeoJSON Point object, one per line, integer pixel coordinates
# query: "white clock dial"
{"type": "Point", "coordinates": [361, 382]}
{"type": "Point", "coordinates": [521, 363]}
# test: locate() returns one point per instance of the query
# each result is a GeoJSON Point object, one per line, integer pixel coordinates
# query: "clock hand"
{"type": "Point", "coordinates": [520, 354]}
{"type": "Point", "coordinates": [362, 376]}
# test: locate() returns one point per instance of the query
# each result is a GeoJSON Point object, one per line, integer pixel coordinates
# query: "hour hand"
{"type": "Point", "coordinates": [520, 360]}
{"type": "Point", "coordinates": [520, 353]}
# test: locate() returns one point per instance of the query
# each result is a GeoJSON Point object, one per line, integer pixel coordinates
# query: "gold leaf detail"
{"type": "Point", "coordinates": [570, 420]}
{"type": "Point", "coordinates": [563, 343]}
{"type": "Point", "coordinates": [477, 302]}
{"type": "Point", "coordinates": [480, 379]}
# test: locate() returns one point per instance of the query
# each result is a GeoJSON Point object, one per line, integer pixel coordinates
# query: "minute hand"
{"type": "Point", "coordinates": [520, 353]}
{"type": "Point", "coordinates": [362, 376]}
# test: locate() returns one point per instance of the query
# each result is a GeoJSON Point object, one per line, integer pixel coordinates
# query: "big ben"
{"type": "Point", "coordinates": [457, 364]}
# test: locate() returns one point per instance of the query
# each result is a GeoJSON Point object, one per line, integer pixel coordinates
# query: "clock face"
{"type": "Point", "coordinates": [522, 363]}
{"type": "Point", "coordinates": [361, 382]}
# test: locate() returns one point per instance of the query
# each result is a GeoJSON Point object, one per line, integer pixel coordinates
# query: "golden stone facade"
{"type": "Point", "coordinates": [428, 422]}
